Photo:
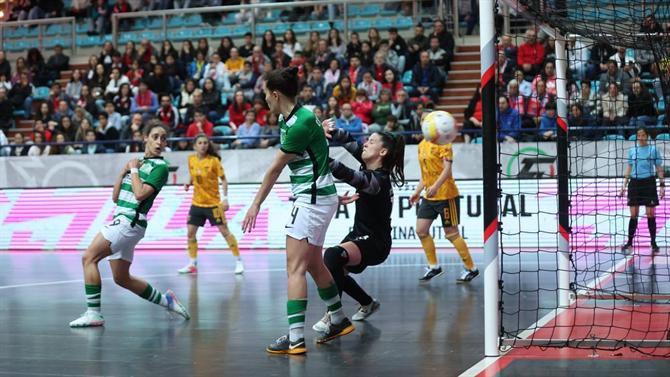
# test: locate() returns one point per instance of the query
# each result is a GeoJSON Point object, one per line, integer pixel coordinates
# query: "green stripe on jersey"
{"type": "Point", "coordinates": [154, 172]}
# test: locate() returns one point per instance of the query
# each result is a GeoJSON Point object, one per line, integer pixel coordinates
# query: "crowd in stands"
{"type": "Point", "coordinates": [611, 90]}
{"type": "Point", "coordinates": [372, 82]}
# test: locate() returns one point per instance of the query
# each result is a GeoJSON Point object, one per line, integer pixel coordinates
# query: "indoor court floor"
{"type": "Point", "coordinates": [433, 329]}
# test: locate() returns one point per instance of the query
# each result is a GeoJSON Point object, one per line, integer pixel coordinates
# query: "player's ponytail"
{"type": "Point", "coordinates": [394, 160]}
{"type": "Point", "coordinates": [212, 149]}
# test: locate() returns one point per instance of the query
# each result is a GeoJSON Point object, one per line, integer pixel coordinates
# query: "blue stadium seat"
{"type": "Point", "coordinates": [660, 121]}
{"type": "Point", "coordinates": [221, 31]}
{"type": "Point", "coordinates": [263, 27]}
{"type": "Point", "coordinates": [370, 10]}
{"type": "Point", "coordinates": [407, 77]}
{"type": "Point", "coordinates": [151, 36]}
{"type": "Point", "coordinates": [32, 31]}
{"type": "Point", "coordinates": [404, 23]}
{"type": "Point", "coordinates": [155, 23]}
{"type": "Point", "coordinates": [477, 140]}
{"type": "Point", "coordinates": [321, 26]}
{"type": "Point", "coordinates": [661, 106]}
{"type": "Point", "coordinates": [359, 25]}
{"type": "Point", "coordinates": [53, 42]}
{"type": "Point", "coordinates": [632, 137]}
{"type": "Point", "coordinates": [206, 32]}
{"type": "Point", "coordinates": [240, 30]}
{"type": "Point", "coordinates": [19, 113]}
{"type": "Point", "coordinates": [339, 25]}
{"type": "Point", "coordinates": [139, 24]}
{"type": "Point", "coordinates": [193, 20]}
{"type": "Point", "coordinates": [272, 15]}
{"type": "Point", "coordinates": [82, 28]}
{"type": "Point", "coordinates": [663, 137]}
{"type": "Point", "coordinates": [41, 93]}
{"type": "Point", "coordinates": [127, 37]}
{"type": "Point", "coordinates": [353, 10]}
{"type": "Point", "coordinates": [614, 137]}
{"type": "Point", "coordinates": [181, 35]}
{"type": "Point", "coordinates": [229, 19]}
{"type": "Point", "coordinates": [176, 21]}
{"type": "Point", "coordinates": [384, 23]}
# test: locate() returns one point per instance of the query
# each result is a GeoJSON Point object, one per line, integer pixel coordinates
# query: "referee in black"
{"type": "Point", "coordinates": [644, 164]}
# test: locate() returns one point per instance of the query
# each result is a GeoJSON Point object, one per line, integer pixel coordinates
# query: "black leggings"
{"type": "Point", "coordinates": [336, 259]}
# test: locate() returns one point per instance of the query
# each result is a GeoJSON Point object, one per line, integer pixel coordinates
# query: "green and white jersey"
{"type": "Point", "coordinates": [154, 172]}
{"type": "Point", "coordinates": [301, 134]}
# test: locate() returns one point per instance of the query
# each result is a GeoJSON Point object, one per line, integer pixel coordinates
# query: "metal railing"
{"type": "Point", "coordinates": [41, 30]}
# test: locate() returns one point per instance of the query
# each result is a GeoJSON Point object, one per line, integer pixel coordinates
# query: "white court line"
{"type": "Point", "coordinates": [486, 362]}
{"type": "Point", "coordinates": [60, 282]}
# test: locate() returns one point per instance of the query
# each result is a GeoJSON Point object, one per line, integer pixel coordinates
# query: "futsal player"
{"type": "Point", "coordinates": [204, 167]}
{"type": "Point", "coordinates": [304, 148]}
{"type": "Point", "coordinates": [382, 159]}
{"type": "Point", "coordinates": [134, 192]}
{"type": "Point", "coordinates": [644, 164]}
{"type": "Point", "coordinates": [437, 195]}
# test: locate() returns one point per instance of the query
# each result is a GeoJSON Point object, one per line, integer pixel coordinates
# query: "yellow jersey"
{"type": "Point", "coordinates": [205, 174]}
{"type": "Point", "coordinates": [431, 161]}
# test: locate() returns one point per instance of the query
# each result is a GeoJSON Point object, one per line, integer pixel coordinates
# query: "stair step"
{"type": "Point", "coordinates": [468, 48]}
{"type": "Point", "coordinates": [464, 75]}
{"type": "Point", "coordinates": [467, 57]}
{"type": "Point", "coordinates": [467, 65]}
{"type": "Point", "coordinates": [455, 101]}
{"type": "Point", "coordinates": [469, 83]}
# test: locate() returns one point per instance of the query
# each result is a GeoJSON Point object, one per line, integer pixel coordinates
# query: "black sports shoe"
{"type": "Point", "coordinates": [654, 248]}
{"type": "Point", "coordinates": [431, 273]}
{"type": "Point", "coordinates": [467, 275]}
{"type": "Point", "coordinates": [284, 346]}
{"type": "Point", "coordinates": [626, 248]}
{"type": "Point", "coordinates": [336, 330]}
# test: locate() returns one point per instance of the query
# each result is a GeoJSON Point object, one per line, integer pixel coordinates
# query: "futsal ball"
{"type": "Point", "coordinates": [439, 127]}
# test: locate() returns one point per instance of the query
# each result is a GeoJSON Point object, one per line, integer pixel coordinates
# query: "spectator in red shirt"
{"type": "Point", "coordinates": [237, 109]}
{"type": "Point", "coordinates": [392, 83]}
{"type": "Point", "coordinates": [200, 125]}
{"type": "Point", "coordinates": [362, 106]}
{"type": "Point", "coordinates": [530, 54]}
{"type": "Point", "coordinates": [167, 114]}
{"type": "Point", "coordinates": [122, 6]}
{"type": "Point", "coordinates": [261, 111]}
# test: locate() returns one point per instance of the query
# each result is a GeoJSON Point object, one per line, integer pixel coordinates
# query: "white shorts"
{"type": "Point", "coordinates": [123, 237]}
{"type": "Point", "coordinates": [310, 221]}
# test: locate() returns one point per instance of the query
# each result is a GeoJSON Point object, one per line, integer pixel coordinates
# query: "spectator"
{"type": "Point", "coordinates": [129, 55]}
{"type": "Point", "coordinates": [279, 58]}
{"type": "Point", "coordinates": [291, 44]}
{"type": "Point", "coordinates": [380, 111]}
{"type": "Point", "coordinates": [515, 99]}
{"type": "Point", "coordinates": [167, 114]}
{"type": "Point", "coordinates": [203, 46]}
{"type": "Point", "coordinates": [145, 101]}
{"type": "Point", "coordinates": [217, 71]}
{"type": "Point", "coordinates": [56, 63]}
{"type": "Point", "coordinates": [99, 79]}
{"type": "Point", "coordinates": [537, 102]}
{"type": "Point", "coordinates": [581, 124]}
{"type": "Point", "coordinates": [367, 55]}
{"type": "Point", "coordinates": [80, 114]}
{"type": "Point", "coordinates": [246, 80]}
{"type": "Point", "coordinates": [548, 123]}
{"type": "Point", "coordinates": [175, 73]}
{"type": "Point", "coordinates": [312, 44]}
{"type": "Point", "coordinates": [508, 48]}
{"type": "Point", "coordinates": [123, 102]}
{"type": "Point", "coordinates": [135, 74]}
{"type": "Point", "coordinates": [20, 68]}
{"type": "Point", "coordinates": [419, 42]}
{"type": "Point", "coordinates": [505, 71]}
{"type": "Point", "coordinates": [247, 46]}
{"type": "Point", "coordinates": [116, 79]}
{"type": "Point", "coordinates": [332, 108]}
{"type": "Point", "coordinates": [588, 100]}
{"type": "Point", "coordinates": [530, 54]}
{"type": "Point", "coordinates": [336, 44]}
{"type": "Point", "coordinates": [270, 133]}
{"type": "Point", "coordinates": [234, 63]}
{"type": "Point", "coordinates": [355, 71]}
{"type": "Point", "coordinates": [426, 79]}
{"type": "Point", "coordinates": [268, 43]}
{"type": "Point", "coordinates": [187, 54]}
{"type": "Point", "coordinates": [145, 52]}
{"type": "Point", "coordinates": [38, 148]}
{"type": "Point", "coordinates": [66, 128]}
{"type": "Point", "coordinates": [98, 18]}
{"type": "Point", "coordinates": [137, 144]}
{"type": "Point", "coordinates": [136, 125]}
{"type": "Point", "coordinates": [211, 99]}
{"type": "Point", "coordinates": [63, 110]}
{"type": "Point", "coordinates": [18, 147]}
{"type": "Point", "coordinates": [197, 68]}
{"type": "Point", "coordinates": [306, 98]}
{"type": "Point", "coordinates": [4, 144]}
{"type": "Point", "coordinates": [391, 58]}
{"type": "Point", "coordinates": [196, 104]}
{"type": "Point", "coordinates": [120, 7]}
{"type": "Point", "coordinates": [332, 74]}
{"type": "Point", "coordinates": [5, 83]}
{"type": "Point", "coordinates": [261, 109]}
{"type": "Point", "coordinates": [5, 67]}
{"type": "Point", "coordinates": [578, 58]}
{"type": "Point", "coordinates": [105, 132]}
{"type": "Point", "coordinates": [612, 75]}
{"type": "Point", "coordinates": [39, 75]}
{"type": "Point", "coordinates": [186, 96]}
{"type": "Point", "coordinates": [509, 121]}
{"type": "Point", "coordinates": [446, 41]}
{"type": "Point", "coordinates": [258, 60]}
{"type": "Point", "coordinates": [158, 82]}
{"type": "Point", "coordinates": [393, 127]}
{"type": "Point", "coordinates": [323, 56]}
{"type": "Point", "coordinates": [200, 125]}
{"type": "Point", "coordinates": [549, 78]}
{"type": "Point", "coordinates": [348, 121]}
{"type": "Point", "coordinates": [396, 42]}
{"type": "Point", "coordinates": [353, 47]}
{"type": "Point", "coordinates": [20, 95]}
{"type": "Point", "coordinates": [82, 127]}
{"type": "Point", "coordinates": [372, 87]}
{"type": "Point", "coordinates": [344, 92]}
{"type": "Point", "coordinates": [59, 147]}
{"type": "Point", "coordinates": [392, 83]}
{"type": "Point", "coordinates": [401, 109]}
{"type": "Point", "coordinates": [472, 125]}
{"type": "Point", "coordinates": [237, 109]}
{"type": "Point", "coordinates": [374, 38]}
{"type": "Point", "coordinates": [90, 147]}
{"type": "Point", "coordinates": [113, 118]}
{"type": "Point", "coordinates": [6, 111]}
{"type": "Point", "coordinates": [362, 107]}
{"type": "Point", "coordinates": [641, 111]}
{"type": "Point", "coordinates": [73, 88]}
{"type": "Point", "coordinates": [438, 56]}
{"type": "Point", "coordinates": [318, 84]}
{"type": "Point", "coordinates": [20, 10]}
{"type": "Point", "coordinates": [248, 132]}
{"type": "Point", "coordinates": [615, 108]}
{"type": "Point", "coordinates": [44, 114]}
{"type": "Point", "coordinates": [549, 46]}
